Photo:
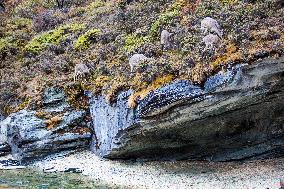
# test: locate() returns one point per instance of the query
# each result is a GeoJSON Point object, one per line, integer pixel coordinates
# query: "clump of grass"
{"type": "Point", "coordinates": [42, 115]}
{"type": "Point", "coordinates": [199, 73]}
{"type": "Point", "coordinates": [75, 95]}
{"type": "Point", "coordinates": [99, 82]}
{"type": "Point", "coordinates": [52, 122]}
{"type": "Point", "coordinates": [233, 54]}
{"type": "Point", "coordinates": [117, 86]}
{"type": "Point", "coordinates": [20, 23]}
{"type": "Point", "coordinates": [141, 94]}
{"type": "Point", "coordinates": [167, 17]}
{"type": "Point", "coordinates": [23, 105]}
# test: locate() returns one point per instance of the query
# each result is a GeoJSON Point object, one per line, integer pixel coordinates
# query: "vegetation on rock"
{"type": "Point", "coordinates": [85, 40]}
{"type": "Point", "coordinates": [53, 37]}
{"type": "Point", "coordinates": [40, 43]}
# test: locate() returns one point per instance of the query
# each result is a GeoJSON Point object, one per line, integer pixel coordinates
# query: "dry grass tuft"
{"type": "Point", "coordinates": [52, 122]}
{"type": "Point", "coordinates": [157, 83]}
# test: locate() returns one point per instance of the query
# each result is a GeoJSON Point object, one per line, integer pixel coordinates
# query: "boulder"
{"type": "Point", "coordinates": [56, 127]}
{"type": "Point", "coordinates": [236, 115]}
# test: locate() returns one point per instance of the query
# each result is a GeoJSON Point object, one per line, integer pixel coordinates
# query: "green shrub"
{"type": "Point", "coordinates": [87, 39]}
{"type": "Point", "coordinates": [229, 1]}
{"type": "Point", "coordinates": [29, 8]}
{"type": "Point", "coordinates": [163, 19]}
{"type": "Point", "coordinates": [20, 23]}
{"type": "Point", "coordinates": [6, 44]}
{"type": "Point", "coordinates": [133, 41]}
{"type": "Point", "coordinates": [96, 4]}
{"type": "Point", "coordinates": [40, 42]}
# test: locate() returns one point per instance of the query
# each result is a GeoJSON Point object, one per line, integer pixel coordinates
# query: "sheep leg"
{"type": "Point", "coordinates": [202, 29]}
{"type": "Point", "coordinates": [205, 31]}
{"type": "Point", "coordinates": [81, 76]}
{"type": "Point", "coordinates": [162, 47]}
{"type": "Point", "coordinates": [75, 78]}
{"type": "Point", "coordinates": [131, 68]}
{"type": "Point", "coordinates": [206, 47]}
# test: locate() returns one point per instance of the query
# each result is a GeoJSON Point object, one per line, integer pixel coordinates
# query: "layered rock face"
{"type": "Point", "coordinates": [236, 115]}
{"type": "Point", "coordinates": [56, 127]}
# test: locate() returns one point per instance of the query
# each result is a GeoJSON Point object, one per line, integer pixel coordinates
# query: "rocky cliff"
{"type": "Point", "coordinates": [55, 127]}
{"type": "Point", "coordinates": [236, 115]}
{"type": "Point", "coordinates": [210, 87]}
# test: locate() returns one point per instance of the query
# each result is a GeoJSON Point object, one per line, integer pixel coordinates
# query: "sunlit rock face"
{"type": "Point", "coordinates": [56, 127]}
{"type": "Point", "coordinates": [238, 114]}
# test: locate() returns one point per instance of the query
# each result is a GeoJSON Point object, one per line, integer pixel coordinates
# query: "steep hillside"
{"type": "Point", "coordinates": [41, 42]}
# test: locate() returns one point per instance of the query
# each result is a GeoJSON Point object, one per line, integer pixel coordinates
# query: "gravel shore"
{"type": "Point", "coordinates": [166, 174]}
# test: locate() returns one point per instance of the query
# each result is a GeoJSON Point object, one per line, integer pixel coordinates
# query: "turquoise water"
{"type": "Point", "coordinates": [31, 179]}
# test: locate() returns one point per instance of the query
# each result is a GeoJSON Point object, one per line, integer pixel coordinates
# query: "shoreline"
{"type": "Point", "coordinates": [169, 174]}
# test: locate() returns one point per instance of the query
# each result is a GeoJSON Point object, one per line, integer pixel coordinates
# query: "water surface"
{"type": "Point", "coordinates": [31, 179]}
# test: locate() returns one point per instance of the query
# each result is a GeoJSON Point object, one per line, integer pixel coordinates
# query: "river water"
{"type": "Point", "coordinates": [31, 179]}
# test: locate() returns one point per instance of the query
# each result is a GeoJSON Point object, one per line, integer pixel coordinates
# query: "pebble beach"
{"type": "Point", "coordinates": [260, 174]}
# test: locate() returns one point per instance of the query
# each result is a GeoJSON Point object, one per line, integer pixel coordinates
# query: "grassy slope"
{"type": "Point", "coordinates": [38, 50]}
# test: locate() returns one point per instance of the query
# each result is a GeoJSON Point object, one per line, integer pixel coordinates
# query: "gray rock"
{"type": "Point", "coordinates": [238, 115]}
{"type": "Point", "coordinates": [55, 100]}
{"type": "Point", "coordinates": [4, 146]}
{"type": "Point", "coordinates": [111, 121]}
{"type": "Point", "coordinates": [169, 96]}
{"type": "Point", "coordinates": [32, 137]}
{"type": "Point", "coordinates": [221, 79]}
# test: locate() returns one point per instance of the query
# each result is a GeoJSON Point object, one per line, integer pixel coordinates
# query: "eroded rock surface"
{"type": "Point", "coordinates": [56, 127]}
{"type": "Point", "coordinates": [4, 146]}
{"type": "Point", "coordinates": [237, 115]}
{"type": "Point", "coordinates": [111, 121]}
